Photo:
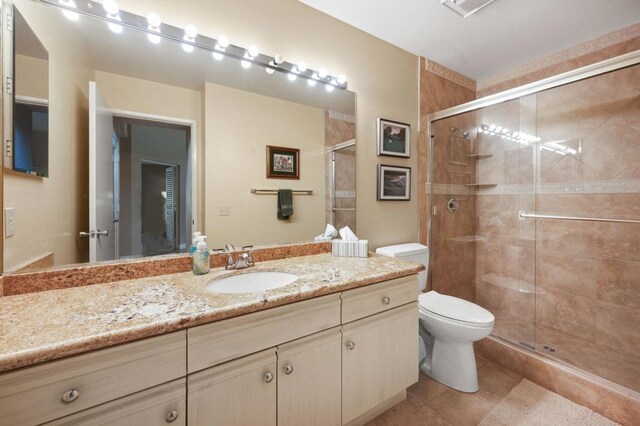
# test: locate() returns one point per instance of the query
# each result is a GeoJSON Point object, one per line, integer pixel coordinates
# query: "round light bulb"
{"type": "Point", "coordinates": [302, 66]}
{"type": "Point", "coordinates": [217, 56]}
{"type": "Point", "coordinates": [154, 20]}
{"type": "Point", "coordinates": [111, 7]}
{"type": "Point", "coordinates": [323, 73]}
{"type": "Point", "coordinates": [253, 51]}
{"type": "Point", "coordinates": [278, 59]}
{"type": "Point", "coordinates": [291, 77]}
{"type": "Point", "coordinates": [115, 27]}
{"type": "Point", "coordinates": [245, 64]}
{"type": "Point", "coordinates": [311, 82]}
{"type": "Point", "coordinates": [342, 79]}
{"type": "Point", "coordinates": [187, 47]}
{"type": "Point", "coordinates": [328, 88]}
{"type": "Point", "coordinates": [269, 70]}
{"type": "Point", "coordinates": [155, 39]}
{"type": "Point", "coordinates": [190, 31]}
{"type": "Point", "coordinates": [223, 41]}
{"type": "Point", "coordinates": [70, 15]}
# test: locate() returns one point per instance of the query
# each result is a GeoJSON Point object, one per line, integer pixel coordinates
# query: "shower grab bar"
{"type": "Point", "coordinates": [524, 215]}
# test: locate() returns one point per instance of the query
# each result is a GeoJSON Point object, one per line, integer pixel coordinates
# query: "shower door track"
{"type": "Point", "coordinates": [523, 215]}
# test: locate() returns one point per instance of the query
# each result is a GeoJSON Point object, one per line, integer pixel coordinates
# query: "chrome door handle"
{"type": "Point", "coordinates": [89, 234]}
{"type": "Point", "coordinates": [100, 233]}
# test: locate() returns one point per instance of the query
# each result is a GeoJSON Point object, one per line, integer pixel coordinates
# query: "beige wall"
{"type": "Point", "coordinates": [239, 126]}
{"type": "Point", "coordinates": [384, 77]}
{"type": "Point", "coordinates": [50, 212]}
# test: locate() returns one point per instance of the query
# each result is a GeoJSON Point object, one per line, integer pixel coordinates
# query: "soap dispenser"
{"type": "Point", "coordinates": [194, 243]}
{"type": "Point", "coordinates": [201, 264]}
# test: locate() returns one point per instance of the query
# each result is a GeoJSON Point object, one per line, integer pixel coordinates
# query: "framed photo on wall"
{"type": "Point", "coordinates": [394, 139]}
{"type": "Point", "coordinates": [394, 183]}
{"type": "Point", "coordinates": [283, 163]}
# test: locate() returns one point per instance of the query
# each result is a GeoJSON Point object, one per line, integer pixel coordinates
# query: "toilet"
{"type": "Point", "coordinates": [448, 327]}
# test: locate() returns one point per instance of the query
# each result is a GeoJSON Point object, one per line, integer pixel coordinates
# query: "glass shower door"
{"type": "Point", "coordinates": [343, 186]}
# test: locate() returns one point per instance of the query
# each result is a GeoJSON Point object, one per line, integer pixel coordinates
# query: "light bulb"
{"type": "Point", "coordinates": [328, 88]}
{"type": "Point", "coordinates": [111, 7]}
{"type": "Point", "coordinates": [187, 47]}
{"type": "Point", "coordinates": [334, 82]}
{"type": "Point", "coordinates": [245, 64]}
{"type": "Point", "coordinates": [223, 41]}
{"type": "Point", "coordinates": [278, 59]}
{"type": "Point", "coordinates": [291, 77]}
{"type": "Point", "coordinates": [217, 56]}
{"type": "Point", "coordinates": [323, 73]}
{"type": "Point", "coordinates": [302, 66]}
{"type": "Point", "coordinates": [154, 25]}
{"type": "Point", "coordinates": [70, 15]}
{"type": "Point", "coordinates": [342, 79]}
{"type": "Point", "coordinates": [311, 83]}
{"type": "Point", "coordinates": [115, 27]}
{"type": "Point", "coordinates": [253, 51]}
{"type": "Point", "coordinates": [269, 70]}
{"type": "Point", "coordinates": [190, 33]}
{"type": "Point", "coordinates": [155, 39]}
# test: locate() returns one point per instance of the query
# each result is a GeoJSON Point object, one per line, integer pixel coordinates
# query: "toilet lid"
{"type": "Point", "coordinates": [455, 308]}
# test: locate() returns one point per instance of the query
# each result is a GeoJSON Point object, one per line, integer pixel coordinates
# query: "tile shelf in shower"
{"type": "Point", "coordinates": [479, 156]}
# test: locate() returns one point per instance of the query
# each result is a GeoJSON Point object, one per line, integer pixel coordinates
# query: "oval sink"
{"type": "Point", "coordinates": [251, 282]}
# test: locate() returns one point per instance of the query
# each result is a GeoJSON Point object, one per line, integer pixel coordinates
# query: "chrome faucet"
{"type": "Point", "coordinates": [245, 260]}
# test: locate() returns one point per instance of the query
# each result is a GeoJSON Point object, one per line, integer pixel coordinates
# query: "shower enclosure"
{"type": "Point", "coordinates": [535, 214]}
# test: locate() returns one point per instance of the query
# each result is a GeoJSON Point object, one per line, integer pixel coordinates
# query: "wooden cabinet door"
{"type": "Point", "coordinates": [240, 392]}
{"type": "Point", "coordinates": [379, 359]}
{"type": "Point", "coordinates": [309, 380]}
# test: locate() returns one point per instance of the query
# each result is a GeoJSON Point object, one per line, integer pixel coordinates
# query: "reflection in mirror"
{"type": "Point", "coordinates": [31, 105]}
{"type": "Point", "coordinates": [150, 142]}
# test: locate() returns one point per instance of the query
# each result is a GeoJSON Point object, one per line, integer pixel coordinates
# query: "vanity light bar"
{"type": "Point", "coordinates": [140, 24]}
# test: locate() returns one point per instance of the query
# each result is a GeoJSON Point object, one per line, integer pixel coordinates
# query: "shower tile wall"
{"type": "Point", "coordinates": [574, 286]}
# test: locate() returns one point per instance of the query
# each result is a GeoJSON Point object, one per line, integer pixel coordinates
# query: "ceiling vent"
{"type": "Point", "coordinates": [465, 8]}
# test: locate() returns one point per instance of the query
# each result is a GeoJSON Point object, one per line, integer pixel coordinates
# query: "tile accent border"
{"type": "Point", "coordinates": [591, 46]}
{"type": "Point", "coordinates": [449, 74]}
{"type": "Point", "coordinates": [100, 273]}
{"type": "Point", "coordinates": [616, 402]}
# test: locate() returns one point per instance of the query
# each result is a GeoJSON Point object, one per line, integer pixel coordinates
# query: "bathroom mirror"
{"type": "Point", "coordinates": [149, 140]}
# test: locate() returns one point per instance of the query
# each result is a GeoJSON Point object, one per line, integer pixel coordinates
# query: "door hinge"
{"type": "Point", "coordinates": [8, 148]}
{"type": "Point", "coordinates": [9, 21]}
{"type": "Point", "coordinates": [9, 85]}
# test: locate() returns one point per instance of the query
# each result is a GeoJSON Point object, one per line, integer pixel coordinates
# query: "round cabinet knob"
{"type": "Point", "coordinates": [351, 345]}
{"type": "Point", "coordinates": [386, 300]}
{"type": "Point", "coordinates": [288, 369]}
{"type": "Point", "coordinates": [71, 395]}
{"type": "Point", "coordinates": [268, 377]}
{"type": "Point", "coordinates": [171, 416]}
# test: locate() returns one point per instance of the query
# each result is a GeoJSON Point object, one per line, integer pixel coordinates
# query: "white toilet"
{"type": "Point", "coordinates": [448, 327]}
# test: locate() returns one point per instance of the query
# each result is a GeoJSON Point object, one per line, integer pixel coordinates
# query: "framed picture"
{"type": "Point", "coordinates": [394, 183]}
{"type": "Point", "coordinates": [394, 139]}
{"type": "Point", "coordinates": [283, 163]}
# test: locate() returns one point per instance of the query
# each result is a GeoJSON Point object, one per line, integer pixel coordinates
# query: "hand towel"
{"type": "Point", "coordinates": [285, 204]}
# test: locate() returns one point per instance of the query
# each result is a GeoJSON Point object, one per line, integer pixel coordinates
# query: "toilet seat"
{"type": "Point", "coordinates": [455, 309]}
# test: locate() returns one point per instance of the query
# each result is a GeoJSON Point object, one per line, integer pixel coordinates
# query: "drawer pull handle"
{"type": "Point", "coordinates": [171, 416]}
{"type": "Point", "coordinates": [288, 369]}
{"type": "Point", "coordinates": [268, 377]}
{"type": "Point", "coordinates": [386, 300]}
{"type": "Point", "coordinates": [351, 345]}
{"type": "Point", "coordinates": [71, 395]}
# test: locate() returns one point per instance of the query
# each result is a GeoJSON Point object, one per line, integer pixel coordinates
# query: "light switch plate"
{"type": "Point", "coordinates": [9, 222]}
{"type": "Point", "coordinates": [224, 210]}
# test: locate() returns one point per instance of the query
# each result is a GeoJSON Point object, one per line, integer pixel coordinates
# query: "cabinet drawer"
{"type": "Point", "coordinates": [35, 395]}
{"type": "Point", "coordinates": [362, 302]}
{"type": "Point", "coordinates": [225, 340]}
{"type": "Point", "coordinates": [156, 406]}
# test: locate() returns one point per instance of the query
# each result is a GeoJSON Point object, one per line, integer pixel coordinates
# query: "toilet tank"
{"type": "Point", "coordinates": [412, 252]}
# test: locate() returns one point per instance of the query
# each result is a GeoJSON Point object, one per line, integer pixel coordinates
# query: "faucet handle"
{"type": "Point", "coordinates": [230, 263]}
{"type": "Point", "coordinates": [250, 261]}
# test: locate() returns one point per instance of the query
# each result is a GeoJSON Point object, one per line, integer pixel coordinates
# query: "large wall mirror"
{"type": "Point", "coordinates": [129, 143]}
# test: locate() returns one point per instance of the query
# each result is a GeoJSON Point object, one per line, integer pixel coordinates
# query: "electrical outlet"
{"type": "Point", "coordinates": [9, 222]}
{"type": "Point", "coordinates": [224, 210]}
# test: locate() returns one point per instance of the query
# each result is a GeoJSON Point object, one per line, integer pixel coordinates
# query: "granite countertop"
{"type": "Point", "coordinates": [42, 326]}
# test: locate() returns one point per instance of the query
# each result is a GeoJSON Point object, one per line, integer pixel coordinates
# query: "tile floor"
{"type": "Point", "coordinates": [431, 403]}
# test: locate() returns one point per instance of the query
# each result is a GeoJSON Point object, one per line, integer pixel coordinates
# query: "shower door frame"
{"type": "Point", "coordinates": [598, 68]}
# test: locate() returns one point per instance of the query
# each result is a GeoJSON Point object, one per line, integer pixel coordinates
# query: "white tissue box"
{"type": "Point", "coordinates": [341, 248]}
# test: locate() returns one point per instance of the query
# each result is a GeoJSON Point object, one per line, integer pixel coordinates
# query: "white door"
{"type": "Point", "coordinates": [101, 232]}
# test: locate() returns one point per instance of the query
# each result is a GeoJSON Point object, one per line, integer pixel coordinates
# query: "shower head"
{"type": "Point", "coordinates": [459, 130]}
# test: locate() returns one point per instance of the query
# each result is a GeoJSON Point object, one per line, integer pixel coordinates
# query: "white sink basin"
{"type": "Point", "coordinates": [251, 282]}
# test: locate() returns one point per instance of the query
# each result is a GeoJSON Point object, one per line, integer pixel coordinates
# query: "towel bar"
{"type": "Point", "coordinates": [275, 191]}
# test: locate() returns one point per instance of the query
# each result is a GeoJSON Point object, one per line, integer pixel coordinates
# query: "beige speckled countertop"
{"type": "Point", "coordinates": [52, 324]}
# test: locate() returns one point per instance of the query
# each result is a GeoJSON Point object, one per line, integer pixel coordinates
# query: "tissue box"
{"type": "Point", "coordinates": [341, 248]}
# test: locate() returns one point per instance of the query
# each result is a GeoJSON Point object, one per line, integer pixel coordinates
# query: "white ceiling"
{"type": "Point", "coordinates": [503, 35]}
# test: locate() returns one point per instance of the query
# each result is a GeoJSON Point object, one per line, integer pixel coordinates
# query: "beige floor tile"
{"type": "Point", "coordinates": [399, 412]}
{"type": "Point", "coordinates": [426, 389]}
{"type": "Point", "coordinates": [497, 380]}
{"type": "Point", "coordinates": [424, 416]}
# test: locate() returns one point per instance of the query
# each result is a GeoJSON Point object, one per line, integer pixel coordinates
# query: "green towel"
{"type": "Point", "coordinates": [285, 204]}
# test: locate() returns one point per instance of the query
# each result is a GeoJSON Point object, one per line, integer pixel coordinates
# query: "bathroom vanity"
{"type": "Point", "coordinates": [339, 346]}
